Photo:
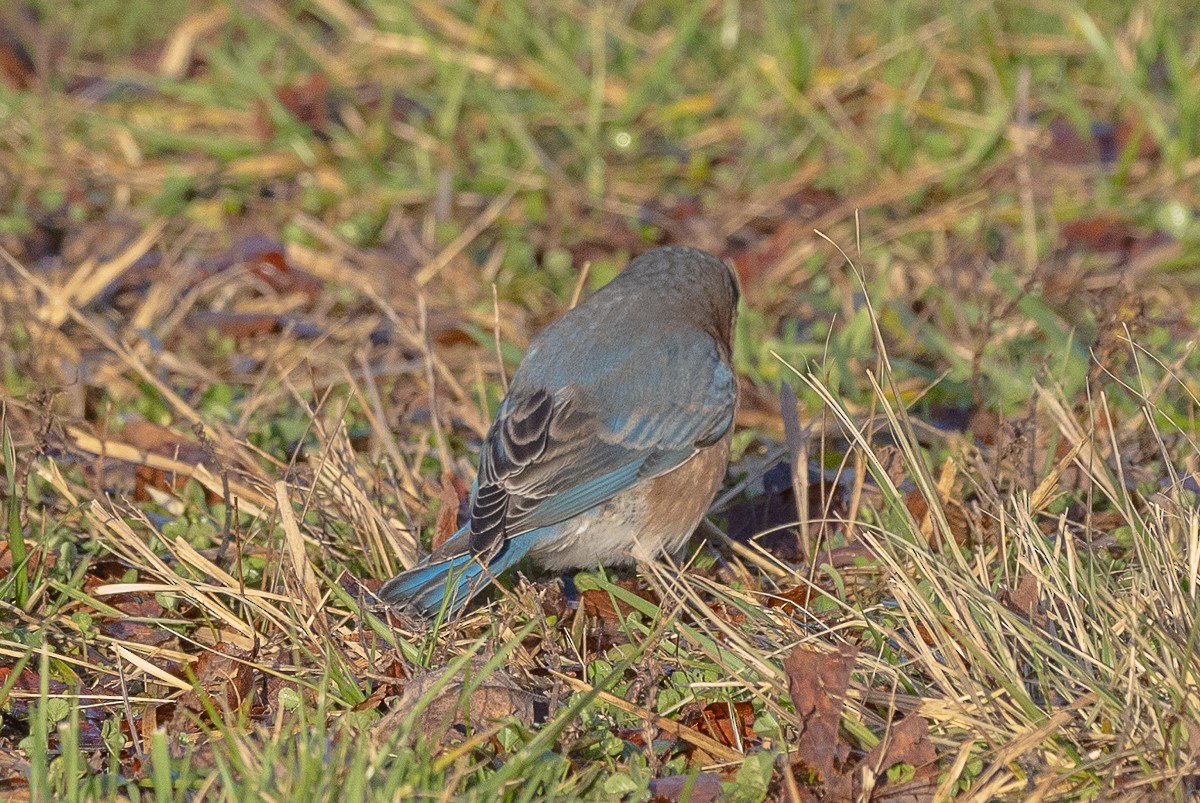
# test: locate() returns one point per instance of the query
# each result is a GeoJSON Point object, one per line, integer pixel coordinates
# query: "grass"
{"type": "Point", "coordinates": [966, 234]}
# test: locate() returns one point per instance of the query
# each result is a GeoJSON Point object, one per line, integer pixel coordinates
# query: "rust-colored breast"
{"type": "Point", "coordinates": [678, 499]}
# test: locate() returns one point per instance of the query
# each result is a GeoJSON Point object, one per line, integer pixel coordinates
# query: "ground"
{"type": "Point", "coordinates": [266, 266]}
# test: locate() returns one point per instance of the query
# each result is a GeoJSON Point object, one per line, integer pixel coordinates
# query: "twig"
{"type": "Point", "coordinates": [797, 442]}
{"type": "Point", "coordinates": [485, 219]}
{"type": "Point", "coordinates": [496, 333]}
{"type": "Point", "coordinates": [1024, 178]}
{"type": "Point", "coordinates": [427, 349]}
{"type": "Point", "coordinates": [580, 282]}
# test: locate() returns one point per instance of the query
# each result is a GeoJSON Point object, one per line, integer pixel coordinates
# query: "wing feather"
{"type": "Point", "coordinates": [552, 454]}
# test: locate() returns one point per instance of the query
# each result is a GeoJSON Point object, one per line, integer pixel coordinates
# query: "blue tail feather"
{"type": "Point", "coordinates": [450, 572]}
{"type": "Point", "coordinates": [426, 586]}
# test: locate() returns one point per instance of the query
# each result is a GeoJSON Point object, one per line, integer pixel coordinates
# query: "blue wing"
{"type": "Point", "coordinates": [552, 454]}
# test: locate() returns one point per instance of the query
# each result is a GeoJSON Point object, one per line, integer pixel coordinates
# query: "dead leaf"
{"type": "Point", "coordinates": [373, 700]}
{"type": "Point", "coordinates": [223, 676]}
{"type": "Point", "coordinates": [35, 559]}
{"type": "Point", "coordinates": [599, 603]}
{"type": "Point", "coordinates": [891, 460]}
{"type": "Point", "coordinates": [906, 743]}
{"type": "Point", "coordinates": [233, 324]}
{"type": "Point", "coordinates": [703, 787]}
{"type": "Point", "coordinates": [266, 258]}
{"type": "Point", "coordinates": [308, 101]}
{"type": "Point", "coordinates": [984, 425]}
{"type": "Point", "coordinates": [817, 683]}
{"type": "Point", "coordinates": [728, 723]}
{"type": "Point", "coordinates": [1100, 233]}
{"type": "Point", "coordinates": [452, 492]}
{"type": "Point", "coordinates": [1023, 600]}
{"type": "Point", "coordinates": [14, 771]}
{"type": "Point", "coordinates": [136, 632]}
{"type": "Point", "coordinates": [1068, 146]}
{"type": "Point", "coordinates": [955, 512]}
{"type": "Point", "coordinates": [753, 263]}
{"type": "Point", "coordinates": [1104, 143]}
{"type": "Point", "coordinates": [27, 681]}
{"type": "Point", "coordinates": [273, 268]}
{"type": "Point", "coordinates": [16, 65]}
{"type": "Point", "coordinates": [495, 697]}
{"type": "Point", "coordinates": [148, 437]}
{"type": "Point", "coordinates": [793, 600]}
{"type": "Point", "coordinates": [276, 684]}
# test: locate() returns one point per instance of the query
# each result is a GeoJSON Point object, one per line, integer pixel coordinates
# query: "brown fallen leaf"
{"type": "Point", "coordinates": [223, 676]}
{"type": "Point", "coordinates": [16, 65]}
{"type": "Point", "coordinates": [906, 743]}
{"type": "Point", "coordinates": [1023, 600]}
{"type": "Point", "coordinates": [891, 460]}
{"type": "Point", "coordinates": [238, 325]}
{"type": "Point", "coordinates": [703, 787]}
{"type": "Point", "coordinates": [598, 603]}
{"type": "Point", "coordinates": [275, 685]}
{"type": "Point", "coordinates": [495, 697]}
{"type": "Point", "coordinates": [1101, 233]}
{"type": "Point", "coordinates": [956, 518]}
{"type": "Point", "coordinates": [728, 723]}
{"type": "Point", "coordinates": [817, 683]}
{"type": "Point", "coordinates": [13, 770]}
{"type": "Point", "coordinates": [1104, 143]}
{"type": "Point", "coordinates": [452, 492]}
{"type": "Point", "coordinates": [35, 559]}
{"type": "Point", "coordinates": [27, 681]}
{"type": "Point", "coordinates": [152, 438]}
{"type": "Point", "coordinates": [137, 632]}
{"type": "Point", "coordinates": [793, 601]}
{"type": "Point", "coordinates": [307, 100]}
{"type": "Point", "coordinates": [265, 258]}
{"type": "Point", "coordinates": [273, 268]}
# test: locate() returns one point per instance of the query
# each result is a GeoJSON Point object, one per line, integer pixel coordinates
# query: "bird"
{"type": "Point", "coordinates": [613, 437]}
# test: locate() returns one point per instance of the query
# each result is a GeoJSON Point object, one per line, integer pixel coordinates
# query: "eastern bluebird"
{"type": "Point", "coordinates": [613, 439]}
